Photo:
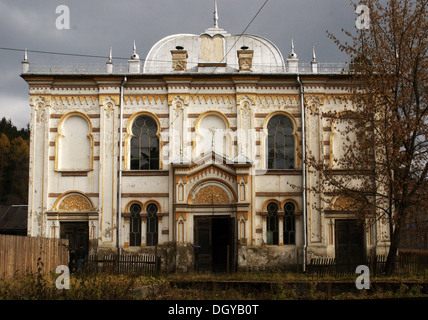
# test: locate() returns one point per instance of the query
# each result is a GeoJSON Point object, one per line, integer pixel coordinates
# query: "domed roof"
{"type": "Point", "coordinates": [214, 47]}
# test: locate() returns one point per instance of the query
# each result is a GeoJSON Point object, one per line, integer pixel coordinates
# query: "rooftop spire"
{"type": "Point", "coordinates": [110, 56]}
{"type": "Point", "coordinates": [215, 15]}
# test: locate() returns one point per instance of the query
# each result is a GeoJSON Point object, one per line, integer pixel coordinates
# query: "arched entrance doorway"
{"type": "Point", "coordinates": [215, 231]}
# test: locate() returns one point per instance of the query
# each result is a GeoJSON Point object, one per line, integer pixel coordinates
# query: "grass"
{"type": "Point", "coordinates": [276, 286]}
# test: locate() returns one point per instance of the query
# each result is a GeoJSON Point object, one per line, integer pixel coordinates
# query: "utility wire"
{"type": "Point", "coordinates": [120, 58]}
{"type": "Point", "coordinates": [242, 33]}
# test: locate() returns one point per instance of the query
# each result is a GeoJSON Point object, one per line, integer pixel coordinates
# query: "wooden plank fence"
{"type": "Point", "coordinates": [20, 254]}
{"type": "Point", "coordinates": [125, 263]}
{"type": "Point", "coordinates": [406, 264]}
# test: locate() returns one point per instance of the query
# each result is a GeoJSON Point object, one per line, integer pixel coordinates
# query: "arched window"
{"type": "Point", "coordinates": [144, 144]}
{"type": "Point", "coordinates": [289, 223]}
{"type": "Point", "coordinates": [135, 225]}
{"type": "Point", "coordinates": [281, 143]}
{"type": "Point", "coordinates": [272, 224]}
{"type": "Point", "coordinates": [152, 225]}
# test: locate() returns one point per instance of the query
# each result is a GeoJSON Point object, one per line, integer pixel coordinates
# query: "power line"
{"type": "Point", "coordinates": [240, 36]}
{"type": "Point", "coordinates": [120, 58]}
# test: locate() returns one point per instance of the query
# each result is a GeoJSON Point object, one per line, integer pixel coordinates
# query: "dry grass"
{"type": "Point", "coordinates": [103, 286]}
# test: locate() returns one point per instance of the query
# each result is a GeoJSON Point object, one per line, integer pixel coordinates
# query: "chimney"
{"type": "Point", "coordinates": [245, 59]}
{"type": "Point", "coordinates": [179, 59]}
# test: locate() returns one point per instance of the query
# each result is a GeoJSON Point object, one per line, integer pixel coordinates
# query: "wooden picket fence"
{"type": "Point", "coordinates": [126, 263]}
{"type": "Point", "coordinates": [20, 255]}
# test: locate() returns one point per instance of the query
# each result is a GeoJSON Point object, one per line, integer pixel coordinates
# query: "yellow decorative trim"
{"type": "Point", "coordinates": [76, 198]}
{"type": "Point", "coordinates": [153, 99]}
{"type": "Point", "coordinates": [46, 99]}
{"type": "Point", "coordinates": [206, 113]}
{"type": "Point", "coordinates": [209, 181]}
{"type": "Point", "coordinates": [264, 207]}
{"type": "Point", "coordinates": [251, 97]}
{"type": "Point", "coordinates": [185, 98]}
{"type": "Point", "coordinates": [215, 98]}
{"type": "Point", "coordinates": [73, 99]}
{"type": "Point", "coordinates": [282, 98]}
{"type": "Point", "coordinates": [290, 200]}
{"type": "Point", "coordinates": [102, 98]}
{"type": "Point", "coordinates": [314, 98]}
{"type": "Point", "coordinates": [130, 203]}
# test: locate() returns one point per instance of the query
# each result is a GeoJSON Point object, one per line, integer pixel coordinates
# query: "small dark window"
{"type": "Point", "coordinates": [144, 144]}
{"type": "Point", "coordinates": [289, 223]}
{"type": "Point", "coordinates": [135, 225]}
{"type": "Point", "coordinates": [280, 143]}
{"type": "Point", "coordinates": [272, 224]}
{"type": "Point", "coordinates": [152, 225]}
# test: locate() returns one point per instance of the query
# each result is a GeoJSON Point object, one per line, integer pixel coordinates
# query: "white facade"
{"type": "Point", "coordinates": [206, 102]}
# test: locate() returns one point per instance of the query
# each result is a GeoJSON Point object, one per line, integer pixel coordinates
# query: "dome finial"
{"type": "Point", "coordinates": [215, 15]}
{"type": "Point", "coordinates": [292, 55]}
{"type": "Point", "coordinates": [135, 56]}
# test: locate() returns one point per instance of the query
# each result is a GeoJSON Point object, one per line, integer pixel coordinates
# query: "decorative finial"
{"type": "Point", "coordinates": [25, 55]}
{"type": "Point", "coordinates": [215, 15]}
{"type": "Point", "coordinates": [292, 55]}
{"type": "Point", "coordinates": [314, 58]}
{"type": "Point", "coordinates": [135, 56]}
{"type": "Point", "coordinates": [110, 56]}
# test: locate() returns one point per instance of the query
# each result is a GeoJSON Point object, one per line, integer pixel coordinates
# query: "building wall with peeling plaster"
{"type": "Point", "coordinates": [184, 102]}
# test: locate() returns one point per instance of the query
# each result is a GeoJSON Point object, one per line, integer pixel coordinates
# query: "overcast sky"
{"type": "Point", "coordinates": [97, 25]}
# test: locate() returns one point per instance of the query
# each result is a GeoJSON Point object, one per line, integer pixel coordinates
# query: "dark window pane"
{"type": "Point", "coordinates": [145, 144]}
{"type": "Point", "coordinates": [135, 225]}
{"type": "Point", "coordinates": [272, 224]}
{"type": "Point", "coordinates": [152, 225]}
{"type": "Point", "coordinates": [289, 223]}
{"type": "Point", "coordinates": [280, 143]}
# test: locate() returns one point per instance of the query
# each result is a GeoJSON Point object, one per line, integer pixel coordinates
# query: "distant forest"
{"type": "Point", "coordinates": [14, 155]}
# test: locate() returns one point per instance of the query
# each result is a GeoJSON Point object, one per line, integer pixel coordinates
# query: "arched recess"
{"type": "Point", "coordinates": [132, 134]}
{"type": "Point", "coordinates": [343, 135]}
{"type": "Point", "coordinates": [212, 132]}
{"type": "Point", "coordinates": [74, 143]}
{"type": "Point", "coordinates": [73, 201]}
{"type": "Point", "coordinates": [291, 140]}
{"type": "Point", "coordinates": [212, 192]}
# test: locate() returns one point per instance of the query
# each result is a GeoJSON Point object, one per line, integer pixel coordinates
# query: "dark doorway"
{"type": "Point", "coordinates": [214, 243]}
{"type": "Point", "coordinates": [349, 235]}
{"type": "Point", "coordinates": [77, 233]}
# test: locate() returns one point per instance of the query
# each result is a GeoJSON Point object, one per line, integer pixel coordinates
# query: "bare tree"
{"type": "Point", "coordinates": [382, 167]}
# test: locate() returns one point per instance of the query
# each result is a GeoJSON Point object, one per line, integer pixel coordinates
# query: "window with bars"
{"type": "Point", "coordinates": [152, 225]}
{"type": "Point", "coordinates": [135, 225]}
{"type": "Point", "coordinates": [144, 144]}
{"type": "Point", "coordinates": [289, 223]}
{"type": "Point", "coordinates": [281, 143]}
{"type": "Point", "coordinates": [272, 224]}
